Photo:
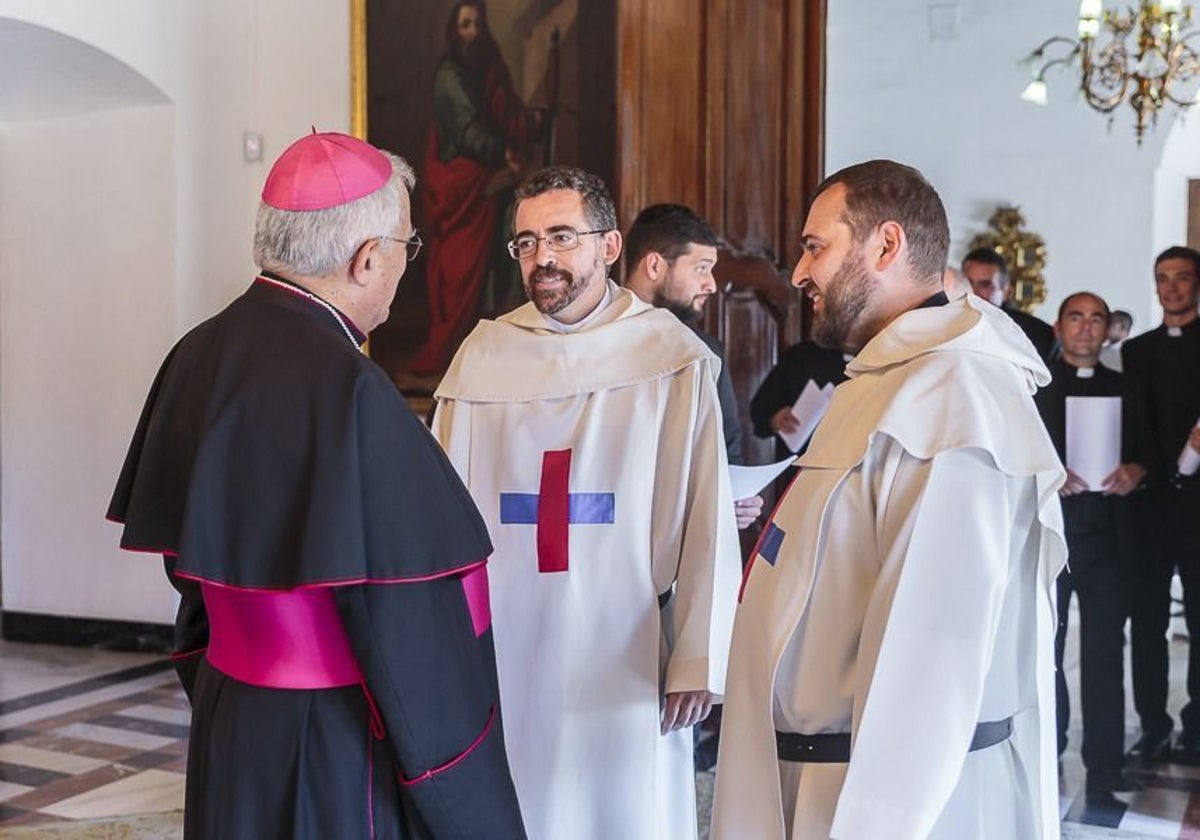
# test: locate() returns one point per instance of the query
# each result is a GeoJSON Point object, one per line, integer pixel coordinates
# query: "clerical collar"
{"type": "Point", "coordinates": [1084, 372]}
{"type": "Point", "coordinates": [357, 337]}
{"type": "Point", "coordinates": [939, 299]}
{"type": "Point", "coordinates": [1174, 332]}
{"type": "Point", "coordinates": [559, 326]}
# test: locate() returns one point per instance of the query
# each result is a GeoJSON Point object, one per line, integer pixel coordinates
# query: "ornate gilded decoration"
{"type": "Point", "coordinates": [1024, 251]}
{"type": "Point", "coordinates": [1147, 61]}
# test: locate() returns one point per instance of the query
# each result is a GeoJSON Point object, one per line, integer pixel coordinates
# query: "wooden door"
{"type": "Point", "coordinates": [720, 107]}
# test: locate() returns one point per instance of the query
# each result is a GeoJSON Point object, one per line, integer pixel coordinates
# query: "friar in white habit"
{"type": "Point", "coordinates": [891, 672]}
{"type": "Point", "coordinates": [587, 428]}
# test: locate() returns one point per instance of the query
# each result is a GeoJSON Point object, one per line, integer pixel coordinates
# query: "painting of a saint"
{"type": "Point", "coordinates": [475, 94]}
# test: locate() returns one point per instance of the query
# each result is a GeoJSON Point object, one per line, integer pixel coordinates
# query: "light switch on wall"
{"type": "Point", "coordinates": [943, 21]}
{"type": "Point", "coordinates": [252, 147]}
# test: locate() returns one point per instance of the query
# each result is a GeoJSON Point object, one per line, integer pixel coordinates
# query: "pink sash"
{"type": "Point", "coordinates": [279, 639]}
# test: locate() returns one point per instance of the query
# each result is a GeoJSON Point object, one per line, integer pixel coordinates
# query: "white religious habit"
{"type": "Point", "coordinates": [903, 592]}
{"type": "Point", "coordinates": [595, 454]}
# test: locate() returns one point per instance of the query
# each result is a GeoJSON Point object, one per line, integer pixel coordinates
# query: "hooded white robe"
{"type": "Point", "coordinates": [910, 597]}
{"type": "Point", "coordinates": [584, 656]}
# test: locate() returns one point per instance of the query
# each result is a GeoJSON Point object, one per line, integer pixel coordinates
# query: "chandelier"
{"type": "Point", "coordinates": [1148, 69]}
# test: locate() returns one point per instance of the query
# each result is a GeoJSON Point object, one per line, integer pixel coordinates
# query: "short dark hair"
{"type": "Point", "coordinates": [1062, 307]}
{"type": "Point", "coordinates": [597, 203]}
{"type": "Point", "coordinates": [1180, 252]}
{"type": "Point", "coordinates": [1120, 316]}
{"type": "Point", "coordinates": [669, 229]}
{"type": "Point", "coordinates": [988, 256]}
{"type": "Point", "coordinates": [879, 191]}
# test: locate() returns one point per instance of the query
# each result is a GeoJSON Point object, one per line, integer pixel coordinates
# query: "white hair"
{"type": "Point", "coordinates": [314, 243]}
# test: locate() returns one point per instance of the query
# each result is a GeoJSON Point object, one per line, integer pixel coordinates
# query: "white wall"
{"type": "Point", "coordinates": [902, 87]}
{"type": "Point", "coordinates": [87, 215]}
{"type": "Point", "coordinates": [225, 66]}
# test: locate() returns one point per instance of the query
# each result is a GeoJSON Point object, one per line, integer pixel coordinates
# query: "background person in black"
{"type": "Point", "coordinates": [670, 253]}
{"type": "Point", "coordinates": [987, 273]}
{"type": "Point", "coordinates": [1097, 528]}
{"type": "Point", "coordinates": [770, 407]}
{"type": "Point", "coordinates": [332, 637]}
{"type": "Point", "coordinates": [1163, 369]}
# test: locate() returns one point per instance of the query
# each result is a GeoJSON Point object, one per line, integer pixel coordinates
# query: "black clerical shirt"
{"type": "Point", "coordinates": [1089, 512]}
{"type": "Point", "coordinates": [1163, 370]}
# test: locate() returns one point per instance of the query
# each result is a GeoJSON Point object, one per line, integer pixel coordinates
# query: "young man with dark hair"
{"type": "Point", "coordinates": [891, 673]}
{"type": "Point", "coordinates": [1163, 366]}
{"type": "Point", "coordinates": [670, 254]}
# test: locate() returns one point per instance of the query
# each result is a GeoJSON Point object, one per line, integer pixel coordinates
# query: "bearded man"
{"type": "Point", "coordinates": [891, 672]}
{"type": "Point", "coordinates": [587, 428]}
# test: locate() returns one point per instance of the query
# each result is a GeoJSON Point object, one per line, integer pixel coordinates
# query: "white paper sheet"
{"type": "Point", "coordinates": [1093, 438]}
{"type": "Point", "coordinates": [809, 408]}
{"type": "Point", "coordinates": [747, 481]}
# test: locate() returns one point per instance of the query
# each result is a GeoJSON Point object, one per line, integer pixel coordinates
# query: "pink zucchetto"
{"type": "Point", "coordinates": [325, 170]}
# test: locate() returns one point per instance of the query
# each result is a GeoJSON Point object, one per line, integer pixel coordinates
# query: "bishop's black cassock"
{"type": "Point", "coordinates": [329, 557]}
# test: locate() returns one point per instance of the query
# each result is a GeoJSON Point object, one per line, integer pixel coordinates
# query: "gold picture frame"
{"type": "Point", "coordinates": [358, 68]}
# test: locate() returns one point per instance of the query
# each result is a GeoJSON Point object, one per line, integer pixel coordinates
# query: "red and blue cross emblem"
{"type": "Point", "coordinates": [554, 508]}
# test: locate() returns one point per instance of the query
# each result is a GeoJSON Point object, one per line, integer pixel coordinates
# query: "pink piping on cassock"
{"type": "Point", "coordinates": [475, 587]}
{"type": "Point", "coordinates": [763, 535]}
{"type": "Point", "coordinates": [442, 768]}
{"type": "Point", "coordinates": [186, 654]}
{"type": "Point", "coordinates": [460, 570]}
{"type": "Point", "coordinates": [289, 639]}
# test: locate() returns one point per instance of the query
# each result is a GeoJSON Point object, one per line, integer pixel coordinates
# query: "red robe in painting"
{"type": "Point", "coordinates": [476, 118]}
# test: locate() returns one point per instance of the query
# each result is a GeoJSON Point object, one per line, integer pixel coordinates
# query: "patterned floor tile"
{"type": "Point", "coordinates": [148, 792]}
{"type": "Point", "coordinates": [21, 774]}
{"type": "Point", "coordinates": [60, 762]}
{"type": "Point", "coordinates": [9, 790]}
{"type": "Point", "coordinates": [112, 735]}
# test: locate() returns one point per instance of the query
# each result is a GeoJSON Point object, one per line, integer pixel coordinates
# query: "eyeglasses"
{"type": "Point", "coordinates": [563, 239]}
{"type": "Point", "coordinates": [412, 244]}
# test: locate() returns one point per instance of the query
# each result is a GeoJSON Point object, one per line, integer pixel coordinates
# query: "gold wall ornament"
{"type": "Point", "coordinates": [1147, 60]}
{"type": "Point", "coordinates": [1023, 251]}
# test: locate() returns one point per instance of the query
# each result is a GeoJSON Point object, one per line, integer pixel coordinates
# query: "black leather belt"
{"type": "Point", "coordinates": [834, 747]}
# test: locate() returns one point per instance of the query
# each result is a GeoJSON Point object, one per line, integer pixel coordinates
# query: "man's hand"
{"type": "Point", "coordinates": [682, 709]}
{"type": "Point", "coordinates": [1194, 439]}
{"type": "Point", "coordinates": [784, 421]}
{"type": "Point", "coordinates": [1123, 479]}
{"type": "Point", "coordinates": [1074, 485]}
{"type": "Point", "coordinates": [747, 511]}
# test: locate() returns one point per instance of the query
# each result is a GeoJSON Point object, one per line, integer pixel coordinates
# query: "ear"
{"type": "Point", "coordinates": [367, 260]}
{"type": "Point", "coordinates": [1057, 332]}
{"type": "Point", "coordinates": [655, 264]}
{"type": "Point", "coordinates": [890, 243]}
{"type": "Point", "coordinates": [612, 246]}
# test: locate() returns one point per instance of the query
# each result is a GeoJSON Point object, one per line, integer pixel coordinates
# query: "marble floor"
{"type": "Point", "coordinates": [93, 745]}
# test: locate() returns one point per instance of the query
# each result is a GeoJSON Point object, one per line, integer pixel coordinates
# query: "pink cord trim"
{"type": "Point", "coordinates": [460, 570]}
{"type": "Point", "coordinates": [762, 534]}
{"type": "Point", "coordinates": [186, 654]}
{"type": "Point", "coordinates": [429, 774]}
{"type": "Point", "coordinates": [370, 772]}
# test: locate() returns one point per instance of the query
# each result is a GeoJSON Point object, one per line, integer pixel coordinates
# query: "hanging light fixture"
{"type": "Point", "coordinates": [1146, 61]}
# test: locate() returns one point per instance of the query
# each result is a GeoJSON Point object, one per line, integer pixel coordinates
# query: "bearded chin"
{"type": "Point", "coordinates": [846, 300]}
{"type": "Point", "coordinates": [552, 301]}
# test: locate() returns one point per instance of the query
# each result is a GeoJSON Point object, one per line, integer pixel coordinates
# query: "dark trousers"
{"type": "Point", "coordinates": [1099, 584]}
{"type": "Point", "coordinates": [1169, 528]}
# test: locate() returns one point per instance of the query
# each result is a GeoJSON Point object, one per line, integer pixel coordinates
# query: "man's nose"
{"type": "Point", "coordinates": [800, 274]}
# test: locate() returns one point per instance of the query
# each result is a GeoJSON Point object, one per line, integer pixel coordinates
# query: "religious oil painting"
{"type": "Point", "coordinates": [474, 95]}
